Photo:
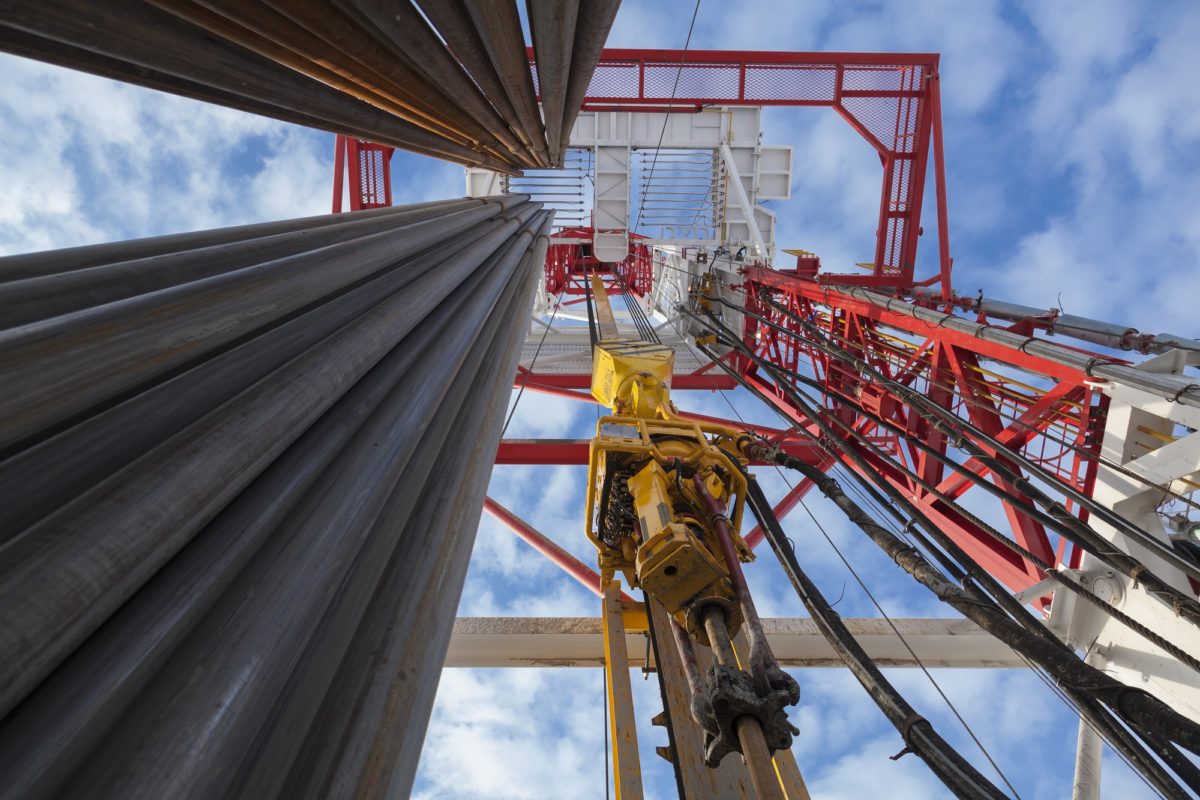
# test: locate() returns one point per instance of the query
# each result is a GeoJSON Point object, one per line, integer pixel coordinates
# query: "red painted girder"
{"type": "Point", "coordinates": [585, 575]}
{"type": "Point", "coordinates": [831, 297]}
{"type": "Point", "coordinates": [1019, 432]}
{"type": "Point", "coordinates": [1007, 567]}
{"type": "Point", "coordinates": [983, 415]}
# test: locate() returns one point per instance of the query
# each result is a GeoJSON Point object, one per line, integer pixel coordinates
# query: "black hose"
{"type": "Point", "coordinates": [1133, 705]}
{"type": "Point", "coordinates": [918, 733]}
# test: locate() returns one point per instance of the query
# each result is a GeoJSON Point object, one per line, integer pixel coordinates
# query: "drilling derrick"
{"type": "Point", "coordinates": [243, 468]}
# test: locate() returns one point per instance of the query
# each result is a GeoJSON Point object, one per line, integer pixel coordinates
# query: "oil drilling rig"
{"type": "Point", "coordinates": [242, 468]}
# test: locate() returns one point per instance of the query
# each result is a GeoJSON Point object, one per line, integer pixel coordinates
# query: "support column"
{"type": "Point", "coordinates": [627, 767]}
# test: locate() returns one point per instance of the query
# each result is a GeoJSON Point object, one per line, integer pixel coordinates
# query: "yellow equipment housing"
{"type": "Point", "coordinates": [671, 551]}
{"type": "Point", "coordinates": [632, 377]}
{"type": "Point", "coordinates": [643, 511]}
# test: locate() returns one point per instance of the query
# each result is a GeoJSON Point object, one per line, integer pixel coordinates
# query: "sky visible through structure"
{"type": "Point", "coordinates": [1074, 178]}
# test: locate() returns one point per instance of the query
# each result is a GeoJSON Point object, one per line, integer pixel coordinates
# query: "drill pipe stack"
{"type": "Point", "coordinates": [451, 80]}
{"type": "Point", "coordinates": [242, 471]}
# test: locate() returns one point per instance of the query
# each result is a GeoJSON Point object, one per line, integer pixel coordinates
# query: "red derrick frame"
{"type": "Point", "coordinates": [569, 258]}
{"type": "Point", "coordinates": [945, 365]}
{"type": "Point", "coordinates": [366, 167]}
{"type": "Point", "coordinates": [894, 102]}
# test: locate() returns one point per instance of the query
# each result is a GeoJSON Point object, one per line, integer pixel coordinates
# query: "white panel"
{"type": "Point", "coordinates": [483, 183]}
{"type": "Point", "coordinates": [775, 172]}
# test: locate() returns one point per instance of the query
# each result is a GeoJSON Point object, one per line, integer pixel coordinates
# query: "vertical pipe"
{"type": "Point", "coordinates": [762, 662]}
{"type": "Point", "coordinates": [749, 729]}
{"type": "Point", "coordinates": [627, 769]}
{"type": "Point", "coordinates": [500, 29]}
{"type": "Point", "coordinates": [1089, 751]}
{"type": "Point", "coordinates": [452, 22]}
{"type": "Point", "coordinates": [552, 26]}
{"type": "Point", "coordinates": [595, 20]}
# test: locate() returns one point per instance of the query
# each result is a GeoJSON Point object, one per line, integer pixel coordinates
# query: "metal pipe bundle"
{"type": "Point", "coordinates": [243, 498]}
{"type": "Point", "coordinates": [568, 38]}
{"type": "Point", "coordinates": [1106, 334]}
{"type": "Point", "coordinates": [1177, 388]}
{"type": "Point", "coordinates": [460, 89]}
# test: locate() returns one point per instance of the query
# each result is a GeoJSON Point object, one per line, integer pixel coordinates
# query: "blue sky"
{"type": "Point", "coordinates": [1074, 173]}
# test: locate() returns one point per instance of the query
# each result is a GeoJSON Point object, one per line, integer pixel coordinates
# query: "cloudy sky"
{"type": "Point", "coordinates": [1074, 171]}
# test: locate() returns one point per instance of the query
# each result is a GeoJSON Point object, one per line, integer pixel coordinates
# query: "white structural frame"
{"type": "Point", "coordinates": [796, 642]}
{"type": "Point", "coordinates": [1157, 439]}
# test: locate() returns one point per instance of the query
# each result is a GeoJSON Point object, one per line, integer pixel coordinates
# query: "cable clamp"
{"type": "Point", "coordinates": [1190, 387]}
{"type": "Point", "coordinates": [906, 734]}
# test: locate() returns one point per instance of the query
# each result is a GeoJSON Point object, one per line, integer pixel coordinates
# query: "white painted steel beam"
{"type": "Point", "coordinates": [579, 642]}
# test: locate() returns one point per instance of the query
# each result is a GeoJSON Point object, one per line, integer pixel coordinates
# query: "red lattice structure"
{"type": "Point", "coordinates": [570, 260]}
{"type": "Point", "coordinates": [366, 166]}
{"type": "Point", "coordinates": [892, 100]}
{"type": "Point", "coordinates": [1053, 418]}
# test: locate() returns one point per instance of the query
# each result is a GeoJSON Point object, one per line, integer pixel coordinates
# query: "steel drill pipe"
{"type": "Point", "coordinates": [141, 38]}
{"type": "Point", "coordinates": [46, 611]}
{"type": "Point", "coordinates": [422, 512]}
{"type": "Point", "coordinates": [104, 351]}
{"type": "Point", "coordinates": [241, 604]}
{"type": "Point", "coordinates": [405, 32]}
{"type": "Point", "coordinates": [25, 301]}
{"type": "Point", "coordinates": [500, 29]}
{"type": "Point", "coordinates": [274, 36]}
{"type": "Point", "coordinates": [84, 454]}
{"type": "Point", "coordinates": [307, 590]}
{"type": "Point", "coordinates": [357, 746]}
{"type": "Point", "coordinates": [595, 20]}
{"type": "Point", "coordinates": [454, 25]}
{"type": "Point", "coordinates": [48, 735]}
{"type": "Point", "coordinates": [54, 262]}
{"type": "Point", "coordinates": [552, 27]}
{"type": "Point", "coordinates": [749, 729]}
{"type": "Point", "coordinates": [39, 48]}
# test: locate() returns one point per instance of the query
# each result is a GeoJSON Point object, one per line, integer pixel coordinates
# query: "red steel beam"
{"type": "Point", "coordinates": [585, 575]}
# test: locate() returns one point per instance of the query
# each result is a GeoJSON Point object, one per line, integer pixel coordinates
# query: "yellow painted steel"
{"type": "Point", "coordinates": [632, 377]}
{"type": "Point", "coordinates": [648, 457]}
{"type": "Point", "coordinates": [604, 314]}
{"type": "Point", "coordinates": [627, 770]}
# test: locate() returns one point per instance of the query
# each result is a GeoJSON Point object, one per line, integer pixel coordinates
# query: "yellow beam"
{"type": "Point", "coordinates": [604, 312]}
{"type": "Point", "coordinates": [788, 772]}
{"type": "Point", "coordinates": [627, 766]}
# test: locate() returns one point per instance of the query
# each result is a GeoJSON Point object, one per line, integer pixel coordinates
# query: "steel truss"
{"type": "Point", "coordinates": [938, 409]}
